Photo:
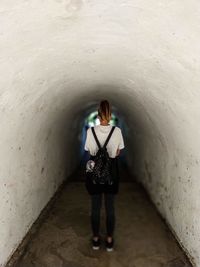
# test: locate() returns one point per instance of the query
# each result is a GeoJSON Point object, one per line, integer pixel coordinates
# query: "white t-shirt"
{"type": "Point", "coordinates": [116, 141]}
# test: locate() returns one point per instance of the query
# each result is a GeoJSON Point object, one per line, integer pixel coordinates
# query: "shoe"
{"type": "Point", "coordinates": [109, 245]}
{"type": "Point", "coordinates": [96, 244]}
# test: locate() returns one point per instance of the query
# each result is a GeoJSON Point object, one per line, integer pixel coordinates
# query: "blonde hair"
{"type": "Point", "coordinates": [104, 110]}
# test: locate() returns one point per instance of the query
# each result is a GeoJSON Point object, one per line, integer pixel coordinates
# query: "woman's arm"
{"type": "Point", "coordinates": [118, 152]}
{"type": "Point", "coordinates": [121, 143]}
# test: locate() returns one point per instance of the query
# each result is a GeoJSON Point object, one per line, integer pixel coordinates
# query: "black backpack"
{"type": "Point", "coordinates": [99, 168]}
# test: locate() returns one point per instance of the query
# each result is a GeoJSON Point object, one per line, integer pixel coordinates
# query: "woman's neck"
{"type": "Point", "coordinates": [104, 123]}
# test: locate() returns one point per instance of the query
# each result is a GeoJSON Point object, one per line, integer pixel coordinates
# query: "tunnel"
{"type": "Point", "coordinates": [59, 58]}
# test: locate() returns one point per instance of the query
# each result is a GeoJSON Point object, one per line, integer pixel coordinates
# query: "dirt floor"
{"type": "Point", "coordinates": [141, 237]}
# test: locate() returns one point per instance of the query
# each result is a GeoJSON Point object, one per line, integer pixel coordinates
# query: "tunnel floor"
{"type": "Point", "coordinates": [142, 239]}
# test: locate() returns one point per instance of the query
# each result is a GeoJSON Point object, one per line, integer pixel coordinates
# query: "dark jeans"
{"type": "Point", "coordinates": [95, 213]}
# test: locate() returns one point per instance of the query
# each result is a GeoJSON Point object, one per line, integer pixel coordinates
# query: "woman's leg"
{"type": "Point", "coordinates": [110, 215]}
{"type": "Point", "coordinates": [95, 214]}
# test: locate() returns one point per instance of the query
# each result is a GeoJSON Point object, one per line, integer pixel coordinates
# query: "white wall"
{"type": "Point", "coordinates": [58, 58]}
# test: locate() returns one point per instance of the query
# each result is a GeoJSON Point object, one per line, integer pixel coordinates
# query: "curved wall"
{"type": "Point", "coordinates": [58, 59]}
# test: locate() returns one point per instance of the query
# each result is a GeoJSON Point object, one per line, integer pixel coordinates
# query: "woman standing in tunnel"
{"type": "Point", "coordinates": [96, 138]}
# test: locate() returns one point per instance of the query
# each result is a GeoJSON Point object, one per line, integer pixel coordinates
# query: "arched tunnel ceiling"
{"type": "Point", "coordinates": [58, 59]}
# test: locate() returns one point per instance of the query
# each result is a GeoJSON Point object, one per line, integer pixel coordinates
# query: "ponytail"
{"type": "Point", "coordinates": [104, 110]}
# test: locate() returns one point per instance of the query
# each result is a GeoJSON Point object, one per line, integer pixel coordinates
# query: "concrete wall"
{"type": "Point", "coordinates": [58, 58]}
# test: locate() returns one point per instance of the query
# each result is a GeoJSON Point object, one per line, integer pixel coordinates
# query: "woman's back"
{"type": "Point", "coordinates": [116, 141]}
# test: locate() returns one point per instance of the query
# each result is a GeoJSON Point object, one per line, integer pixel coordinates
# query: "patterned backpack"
{"type": "Point", "coordinates": [98, 169]}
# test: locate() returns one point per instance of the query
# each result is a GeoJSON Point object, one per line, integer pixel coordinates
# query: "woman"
{"type": "Point", "coordinates": [115, 144]}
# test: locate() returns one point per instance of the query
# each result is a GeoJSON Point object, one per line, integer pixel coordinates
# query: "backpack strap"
{"type": "Point", "coordinates": [108, 138]}
{"type": "Point", "coordinates": [95, 137]}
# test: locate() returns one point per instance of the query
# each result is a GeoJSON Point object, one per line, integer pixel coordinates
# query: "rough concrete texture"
{"type": "Point", "coordinates": [58, 59]}
{"type": "Point", "coordinates": [141, 237]}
